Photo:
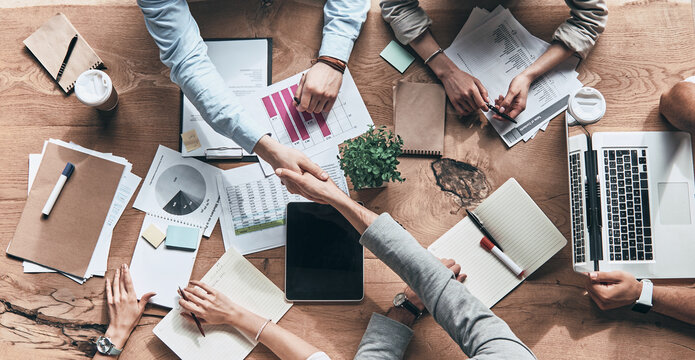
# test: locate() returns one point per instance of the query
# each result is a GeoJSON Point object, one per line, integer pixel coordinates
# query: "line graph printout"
{"type": "Point", "coordinates": [311, 133]}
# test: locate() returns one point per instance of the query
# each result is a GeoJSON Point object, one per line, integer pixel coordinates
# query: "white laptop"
{"type": "Point", "coordinates": [632, 202]}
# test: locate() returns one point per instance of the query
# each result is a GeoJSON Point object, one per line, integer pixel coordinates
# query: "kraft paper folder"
{"type": "Point", "coordinates": [524, 232]}
{"type": "Point", "coordinates": [66, 239]}
{"type": "Point", "coordinates": [419, 112]}
{"type": "Point", "coordinates": [49, 44]}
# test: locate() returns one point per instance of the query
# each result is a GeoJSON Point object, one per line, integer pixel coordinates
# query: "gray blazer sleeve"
{"type": "Point", "coordinates": [384, 339]}
{"type": "Point", "coordinates": [477, 331]}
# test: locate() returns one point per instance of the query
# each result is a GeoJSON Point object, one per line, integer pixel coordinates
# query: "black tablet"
{"type": "Point", "coordinates": [324, 259]}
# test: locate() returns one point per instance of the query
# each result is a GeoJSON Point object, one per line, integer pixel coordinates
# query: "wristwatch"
{"type": "Point", "coordinates": [644, 303]}
{"type": "Point", "coordinates": [106, 347]}
{"type": "Point", "coordinates": [400, 300]}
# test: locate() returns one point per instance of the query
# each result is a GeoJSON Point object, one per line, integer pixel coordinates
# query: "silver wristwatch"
{"type": "Point", "coordinates": [106, 347]}
{"type": "Point", "coordinates": [402, 301]}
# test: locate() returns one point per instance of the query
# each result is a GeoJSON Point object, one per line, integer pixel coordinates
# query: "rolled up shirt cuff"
{"type": "Point", "coordinates": [574, 39]}
{"type": "Point", "coordinates": [336, 46]}
{"type": "Point", "coordinates": [408, 27]}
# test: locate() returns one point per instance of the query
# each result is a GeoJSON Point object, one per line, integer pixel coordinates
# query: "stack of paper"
{"type": "Point", "coordinates": [178, 191]}
{"type": "Point", "coordinates": [494, 47]}
{"type": "Point", "coordinates": [126, 188]}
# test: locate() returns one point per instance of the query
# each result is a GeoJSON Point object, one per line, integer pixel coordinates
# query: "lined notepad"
{"type": "Point", "coordinates": [520, 227]}
{"type": "Point", "coordinates": [245, 285]}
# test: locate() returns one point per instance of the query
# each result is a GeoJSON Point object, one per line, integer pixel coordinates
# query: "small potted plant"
{"type": "Point", "coordinates": [370, 159]}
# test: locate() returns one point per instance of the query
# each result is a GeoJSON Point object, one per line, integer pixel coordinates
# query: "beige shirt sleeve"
{"type": "Point", "coordinates": [586, 22]}
{"type": "Point", "coordinates": [579, 32]}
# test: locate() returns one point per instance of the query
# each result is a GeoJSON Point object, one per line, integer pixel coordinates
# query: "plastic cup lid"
{"type": "Point", "coordinates": [587, 105]}
{"type": "Point", "coordinates": [93, 87]}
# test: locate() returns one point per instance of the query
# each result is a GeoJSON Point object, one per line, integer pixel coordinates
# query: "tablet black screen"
{"type": "Point", "coordinates": [324, 257]}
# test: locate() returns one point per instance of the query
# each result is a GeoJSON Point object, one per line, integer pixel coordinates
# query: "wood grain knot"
{"type": "Point", "coordinates": [468, 183]}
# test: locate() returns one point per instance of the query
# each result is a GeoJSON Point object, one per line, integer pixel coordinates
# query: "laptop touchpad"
{"type": "Point", "coordinates": [674, 203]}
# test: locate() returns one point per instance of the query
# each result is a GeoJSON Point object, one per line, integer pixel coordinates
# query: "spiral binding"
{"type": "Point", "coordinates": [168, 218]}
{"type": "Point", "coordinates": [422, 152]}
{"type": "Point", "coordinates": [72, 85]}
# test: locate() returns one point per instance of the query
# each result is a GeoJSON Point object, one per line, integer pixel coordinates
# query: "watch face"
{"type": "Point", "coordinates": [103, 345]}
{"type": "Point", "coordinates": [399, 299]}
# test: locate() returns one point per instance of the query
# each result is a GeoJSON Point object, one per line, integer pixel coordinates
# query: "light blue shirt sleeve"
{"type": "Point", "coordinates": [182, 49]}
{"type": "Point", "coordinates": [342, 22]}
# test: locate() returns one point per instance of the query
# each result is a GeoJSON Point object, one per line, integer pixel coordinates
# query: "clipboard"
{"type": "Point", "coordinates": [247, 158]}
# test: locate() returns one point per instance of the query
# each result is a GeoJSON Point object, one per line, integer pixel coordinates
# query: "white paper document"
{"type": "Point", "coordinates": [246, 286]}
{"type": "Point", "coordinates": [254, 206]}
{"type": "Point", "coordinates": [308, 132]}
{"type": "Point", "coordinates": [495, 48]}
{"type": "Point", "coordinates": [521, 228]}
{"type": "Point", "coordinates": [161, 270]}
{"type": "Point", "coordinates": [243, 64]}
{"type": "Point", "coordinates": [180, 190]}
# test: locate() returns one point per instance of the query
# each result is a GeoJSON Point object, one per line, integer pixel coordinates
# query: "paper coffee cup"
{"type": "Point", "coordinates": [94, 88]}
{"type": "Point", "coordinates": [586, 106]}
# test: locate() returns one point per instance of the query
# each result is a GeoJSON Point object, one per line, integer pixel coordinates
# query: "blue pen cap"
{"type": "Point", "coordinates": [69, 168]}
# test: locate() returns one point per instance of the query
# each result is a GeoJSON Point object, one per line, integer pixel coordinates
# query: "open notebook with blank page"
{"type": "Point", "coordinates": [245, 285]}
{"type": "Point", "coordinates": [520, 227]}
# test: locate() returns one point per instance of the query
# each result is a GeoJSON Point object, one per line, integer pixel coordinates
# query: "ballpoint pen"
{"type": "Point", "coordinates": [67, 57]}
{"type": "Point", "coordinates": [197, 322]}
{"type": "Point", "coordinates": [481, 227]}
{"type": "Point", "coordinates": [503, 115]}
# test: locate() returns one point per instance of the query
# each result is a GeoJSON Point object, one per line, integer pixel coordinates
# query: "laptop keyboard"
{"type": "Point", "coordinates": [577, 208]}
{"type": "Point", "coordinates": [627, 205]}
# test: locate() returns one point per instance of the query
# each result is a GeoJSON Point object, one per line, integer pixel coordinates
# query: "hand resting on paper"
{"type": "Point", "coordinates": [318, 89]}
{"type": "Point", "coordinates": [124, 308]}
{"type": "Point", "coordinates": [212, 307]}
{"type": "Point", "coordinates": [515, 101]}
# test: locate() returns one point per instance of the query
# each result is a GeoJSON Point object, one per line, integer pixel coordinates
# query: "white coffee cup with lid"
{"type": "Point", "coordinates": [585, 106]}
{"type": "Point", "coordinates": [94, 88]}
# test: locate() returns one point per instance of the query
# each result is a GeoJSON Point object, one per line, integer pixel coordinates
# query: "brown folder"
{"type": "Point", "coordinates": [419, 112]}
{"type": "Point", "coordinates": [65, 239]}
{"type": "Point", "coordinates": [49, 44]}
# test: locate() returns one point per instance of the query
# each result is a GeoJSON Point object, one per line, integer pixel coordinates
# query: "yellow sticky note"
{"type": "Point", "coordinates": [190, 140]}
{"type": "Point", "coordinates": [153, 235]}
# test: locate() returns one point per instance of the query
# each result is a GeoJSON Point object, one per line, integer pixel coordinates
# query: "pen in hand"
{"type": "Point", "coordinates": [503, 115]}
{"type": "Point", "coordinates": [195, 318]}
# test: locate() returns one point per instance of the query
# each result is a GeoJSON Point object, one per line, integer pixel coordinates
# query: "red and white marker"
{"type": "Point", "coordinates": [489, 246]}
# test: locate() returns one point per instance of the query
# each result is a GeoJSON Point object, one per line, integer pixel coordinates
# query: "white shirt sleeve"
{"type": "Point", "coordinates": [318, 356]}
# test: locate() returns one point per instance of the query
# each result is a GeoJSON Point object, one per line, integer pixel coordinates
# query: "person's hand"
{"type": "Point", "coordinates": [209, 305]}
{"type": "Point", "coordinates": [465, 92]}
{"type": "Point", "coordinates": [449, 263]}
{"type": "Point", "coordinates": [318, 89]}
{"type": "Point", "coordinates": [614, 289]}
{"type": "Point", "coordinates": [515, 101]}
{"type": "Point", "coordinates": [282, 157]}
{"type": "Point", "coordinates": [309, 186]}
{"type": "Point", "coordinates": [124, 308]}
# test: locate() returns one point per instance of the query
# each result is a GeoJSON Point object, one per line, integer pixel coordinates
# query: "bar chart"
{"type": "Point", "coordinates": [304, 130]}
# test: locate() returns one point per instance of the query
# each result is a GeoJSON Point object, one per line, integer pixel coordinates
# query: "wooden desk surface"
{"type": "Point", "coordinates": [647, 47]}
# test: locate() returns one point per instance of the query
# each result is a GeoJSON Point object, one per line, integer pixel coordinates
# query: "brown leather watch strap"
{"type": "Point", "coordinates": [332, 62]}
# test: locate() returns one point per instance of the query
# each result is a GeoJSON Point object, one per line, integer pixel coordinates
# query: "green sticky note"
{"type": "Point", "coordinates": [182, 237]}
{"type": "Point", "coordinates": [397, 56]}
